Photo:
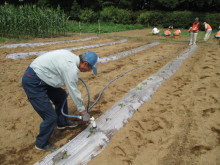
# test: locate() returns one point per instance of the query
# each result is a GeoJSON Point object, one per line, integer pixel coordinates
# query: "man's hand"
{"type": "Point", "coordinates": [85, 116]}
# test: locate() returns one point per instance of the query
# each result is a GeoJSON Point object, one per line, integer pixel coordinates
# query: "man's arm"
{"type": "Point", "coordinates": [70, 79]}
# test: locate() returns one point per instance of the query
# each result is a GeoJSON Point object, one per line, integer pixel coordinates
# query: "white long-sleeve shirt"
{"type": "Point", "coordinates": [58, 68]}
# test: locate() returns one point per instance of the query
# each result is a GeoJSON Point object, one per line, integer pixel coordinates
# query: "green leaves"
{"type": "Point", "coordinates": [179, 19]}
{"type": "Point", "coordinates": [88, 15]}
{"type": "Point", "coordinates": [115, 15]}
{"type": "Point", "coordinates": [31, 21]}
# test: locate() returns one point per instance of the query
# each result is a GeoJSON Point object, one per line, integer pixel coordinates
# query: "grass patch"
{"type": "Point", "coordinates": [77, 27]}
{"type": "Point", "coordinates": [11, 39]}
{"type": "Point", "coordinates": [2, 39]}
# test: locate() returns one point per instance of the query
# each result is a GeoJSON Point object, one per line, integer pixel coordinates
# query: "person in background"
{"type": "Point", "coordinates": [177, 32]}
{"type": "Point", "coordinates": [42, 82]}
{"type": "Point", "coordinates": [167, 32]}
{"type": "Point", "coordinates": [194, 32]}
{"type": "Point", "coordinates": [155, 31]}
{"type": "Point", "coordinates": [170, 27]}
{"type": "Point", "coordinates": [208, 30]}
{"type": "Point", "coordinates": [217, 36]}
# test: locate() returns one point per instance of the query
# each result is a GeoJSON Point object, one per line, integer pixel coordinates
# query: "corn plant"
{"type": "Point", "coordinates": [31, 21]}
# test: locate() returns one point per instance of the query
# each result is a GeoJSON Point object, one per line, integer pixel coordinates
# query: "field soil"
{"type": "Point", "coordinates": [179, 126]}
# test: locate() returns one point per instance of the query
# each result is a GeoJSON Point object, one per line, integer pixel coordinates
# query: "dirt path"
{"type": "Point", "coordinates": [180, 125]}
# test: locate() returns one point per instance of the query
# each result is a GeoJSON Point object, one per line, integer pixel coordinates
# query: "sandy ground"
{"type": "Point", "coordinates": [179, 126]}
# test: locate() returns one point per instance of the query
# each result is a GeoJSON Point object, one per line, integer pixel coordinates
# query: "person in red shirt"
{"type": "Point", "coordinates": [217, 36]}
{"type": "Point", "coordinates": [177, 32]}
{"type": "Point", "coordinates": [194, 32]}
{"type": "Point", "coordinates": [167, 32]}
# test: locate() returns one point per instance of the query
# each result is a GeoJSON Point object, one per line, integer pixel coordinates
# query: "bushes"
{"type": "Point", "coordinates": [108, 14]}
{"type": "Point", "coordinates": [154, 18]}
{"type": "Point", "coordinates": [88, 15]}
{"type": "Point", "coordinates": [213, 19]}
{"type": "Point", "coordinates": [179, 19]}
{"type": "Point", "coordinates": [115, 15]}
{"type": "Point", "coordinates": [144, 18]}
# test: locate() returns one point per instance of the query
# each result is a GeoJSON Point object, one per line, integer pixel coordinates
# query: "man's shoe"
{"type": "Point", "coordinates": [70, 124]}
{"type": "Point", "coordinates": [47, 148]}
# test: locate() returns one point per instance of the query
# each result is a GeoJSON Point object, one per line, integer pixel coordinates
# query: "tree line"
{"type": "Point", "coordinates": [58, 16]}
{"type": "Point", "coordinates": [134, 5]}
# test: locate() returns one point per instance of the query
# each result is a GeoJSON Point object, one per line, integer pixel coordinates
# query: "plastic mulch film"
{"type": "Point", "coordinates": [23, 55]}
{"type": "Point", "coordinates": [126, 53]}
{"type": "Point", "coordinates": [45, 43]}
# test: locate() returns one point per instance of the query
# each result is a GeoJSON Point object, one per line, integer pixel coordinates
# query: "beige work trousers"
{"type": "Point", "coordinates": [193, 37]}
{"type": "Point", "coordinates": [207, 34]}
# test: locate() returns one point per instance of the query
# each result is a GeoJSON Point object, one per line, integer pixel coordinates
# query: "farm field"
{"type": "Point", "coordinates": [180, 125]}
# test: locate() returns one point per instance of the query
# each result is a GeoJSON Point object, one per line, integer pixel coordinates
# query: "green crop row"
{"type": "Point", "coordinates": [31, 21]}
